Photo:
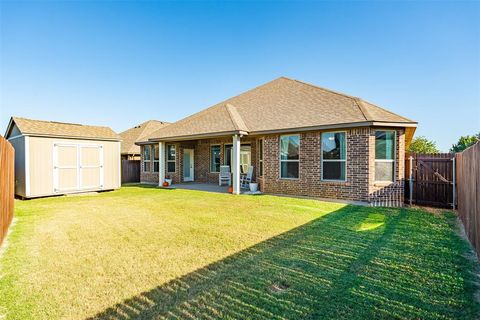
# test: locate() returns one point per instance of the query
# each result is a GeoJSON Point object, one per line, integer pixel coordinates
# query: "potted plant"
{"type": "Point", "coordinates": [168, 180]}
{"type": "Point", "coordinates": [253, 186]}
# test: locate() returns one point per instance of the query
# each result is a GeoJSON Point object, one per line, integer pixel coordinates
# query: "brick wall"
{"type": "Point", "coordinates": [202, 154]}
{"type": "Point", "coordinates": [151, 176]}
{"type": "Point", "coordinates": [384, 193]}
{"type": "Point", "coordinates": [360, 184]}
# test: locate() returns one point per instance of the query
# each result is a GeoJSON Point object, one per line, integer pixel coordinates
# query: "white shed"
{"type": "Point", "coordinates": [53, 158]}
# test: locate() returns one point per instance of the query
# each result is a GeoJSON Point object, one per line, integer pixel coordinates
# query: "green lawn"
{"type": "Point", "coordinates": [148, 253]}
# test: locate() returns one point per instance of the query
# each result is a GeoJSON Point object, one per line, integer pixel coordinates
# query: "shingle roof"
{"type": "Point", "coordinates": [281, 104]}
{"type": "Point", "coordinates": [139, 133]}
{"type": "Point", "coordinates": [62, 129]}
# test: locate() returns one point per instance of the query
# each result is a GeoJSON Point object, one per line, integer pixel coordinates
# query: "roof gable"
{"type": "Point", "coordinates": [281, 104]}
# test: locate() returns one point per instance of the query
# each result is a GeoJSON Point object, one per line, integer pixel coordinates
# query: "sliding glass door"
{"type": "Point", "coordinates": [245, 157]}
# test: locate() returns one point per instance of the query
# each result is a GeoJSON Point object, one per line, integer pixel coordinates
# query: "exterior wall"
{"type": "Point", "coordinates": [41, 164]}
{"type": "Point", "coordinates": [151, 177]}
{"type": "Point", "coordinates": [359, 185]}
{"type": "Point", "coordinates": [14, 131]}
{"type": "Point", "coordinates": [19, 146]}
{"type": "Point", "coordinates": [201, 160]}
{"type": "Point", "coordinates": [309, 182]}
{"type": "Point", "coordinates": [380, 191]}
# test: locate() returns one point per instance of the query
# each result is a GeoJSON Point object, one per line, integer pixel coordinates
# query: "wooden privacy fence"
{"type": "Point", "coordinates": [432, 182]}
{"type": "Point", "coordinates": [7, 186]}
{"type": "Point", "coordinates": [130, 171]}
{"type": "Point", "coordinates": [468, 191]}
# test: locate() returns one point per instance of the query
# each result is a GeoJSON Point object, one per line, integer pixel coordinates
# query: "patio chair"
{"type": "Point", "coordinates": [224, 175]}
{"type": "Point", "coordinates": [245, 179]}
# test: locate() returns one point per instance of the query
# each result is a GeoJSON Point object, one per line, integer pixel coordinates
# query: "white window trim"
{"type": "Point", "coordinates": [211, 158]}
{"type": "Point", "coordinates": [175, 157]}
{"type": "Point", "coordinates": [386, 160]}
{"type": "Point", "coordinates": [280, 156]}
{"type": "Point", "coordinates": [149, 160]}
{"type": "Point", "coordinates": [333, 160]}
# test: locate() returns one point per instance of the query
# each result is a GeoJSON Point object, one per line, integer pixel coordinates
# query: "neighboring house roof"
{"type": "Point", "coordinates": [139, 133]}
{"type": "Point", "coordinates": [29, 127]}
{"type": "Point", "coordinates": [281, 105]}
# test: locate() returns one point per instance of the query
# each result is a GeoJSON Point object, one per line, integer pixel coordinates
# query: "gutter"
{"type": "Point", "coordinates": [286, 130]}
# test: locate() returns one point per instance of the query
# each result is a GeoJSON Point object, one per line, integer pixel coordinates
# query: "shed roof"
{"type": "Point", "coordinates": [139, 133]}
{"type": "Point", "coordinates": [31, 127]}
{"type": "Point", "coordinates": [280, 105]}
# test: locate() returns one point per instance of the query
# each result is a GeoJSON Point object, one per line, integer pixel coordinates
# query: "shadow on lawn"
{"type": "Point", "coordinates": [404, 267]}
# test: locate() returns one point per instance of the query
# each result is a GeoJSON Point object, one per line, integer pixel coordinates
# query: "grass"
{"type": "Point", "coordinates": [147, 253]}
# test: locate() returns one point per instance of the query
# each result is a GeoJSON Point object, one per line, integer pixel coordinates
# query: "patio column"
{"type": "Point", "coordinates": [236, 164]}
{"type": "Point", "coordinates": [161, 163]}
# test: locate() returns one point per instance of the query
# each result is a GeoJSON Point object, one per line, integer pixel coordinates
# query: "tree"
{"type": "Point", "coordinates": [423, 145]}
{"type": "Point", "coordinates": [464, 142]}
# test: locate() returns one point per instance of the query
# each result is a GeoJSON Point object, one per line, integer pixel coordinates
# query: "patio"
{"type": "Point", "coordinates": [208, 187]}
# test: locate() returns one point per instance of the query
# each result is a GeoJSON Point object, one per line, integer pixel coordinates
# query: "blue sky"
{"type": "Point", "coordinates": [121, 63]}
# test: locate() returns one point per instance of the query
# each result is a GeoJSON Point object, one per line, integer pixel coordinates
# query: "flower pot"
{"type": "Point", "coordinates": [253, 186]}
{"type": "Point", "coordinates": [169, 181]}
{"type": "Point", "coordinates": [230, 190]}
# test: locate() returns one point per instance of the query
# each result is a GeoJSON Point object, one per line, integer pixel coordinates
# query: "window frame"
{"type": "Point", "coordinates": [261, 153]}
{"type": "Point", "coordinates": [155, 146]}
{"type": "Point", "coordinates": [333, 160]}
{"type": "Point", "coordinates": [280, 155]}
{"type": "Point", "coordinates": [394, 160]}
{"type": "Point", "coordinates": [149, 160]}
{"type": "Point", "coordinates": [219, 159]}
{"type": "Point", "coordinates": [174, 161]}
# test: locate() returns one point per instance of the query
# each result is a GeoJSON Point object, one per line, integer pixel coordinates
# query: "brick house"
{"type": "Point", "coordinates": [301, 139]}
{"type": "Point", "coordinates": [131, 151]}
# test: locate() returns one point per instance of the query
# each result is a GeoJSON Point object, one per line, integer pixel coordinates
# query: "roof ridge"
{"type": "Point", "coordinates": [322, 88]}
{"type": "Point", "coordinates": [360, 106]}
{"type": "Point", "coordinates": [385, 110]}
{"type": "Point", "coordinates": [217, 105]}
{"type": "Point", "coordinates": [236, 118]}
{"type": "Point", "coordinates": [60, 122]}
{"type": "Point", "coordinates": [355, 99]}
{"type": "Point", "coordinates": [142, 131]}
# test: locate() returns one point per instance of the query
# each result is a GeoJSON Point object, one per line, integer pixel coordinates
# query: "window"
{"type": "Point", "coordinates": [334, 156]}
{"type": "Point", "coordinates": [228, 155]}
{"type": "Point", "coordinates": [289, 156]}
{"type": "Point", "coordinates": [155, 157]}
{"type": "Point", "coordinates": [260, 158]}
{"type": "Point", "coordinates": [146, 158]}
{"type": "Point", "coordinates": [245, 156]}
{"type": "Point", "coordinates": [384, 155]}
{"type": "Point", "coordinates": [171, 157]}
{"type": "Point", "coordinates": [215, 159]}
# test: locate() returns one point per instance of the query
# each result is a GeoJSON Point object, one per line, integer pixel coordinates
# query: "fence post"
{"type": "Point", "coordinates": [453, 181]}
{"type": "Point", "coordinates": [411, 181]}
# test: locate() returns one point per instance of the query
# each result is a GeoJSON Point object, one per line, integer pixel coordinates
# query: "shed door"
{"type": "Point", "coordinates": [65, 170]}
{"type": "Point", "coordinates": [77, 167]}
{"type": "Point", "coordinates": [91, 167]}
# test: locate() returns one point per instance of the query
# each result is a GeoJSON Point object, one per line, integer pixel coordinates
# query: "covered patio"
{"type": "Point", "coordinates": [198, 162]}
